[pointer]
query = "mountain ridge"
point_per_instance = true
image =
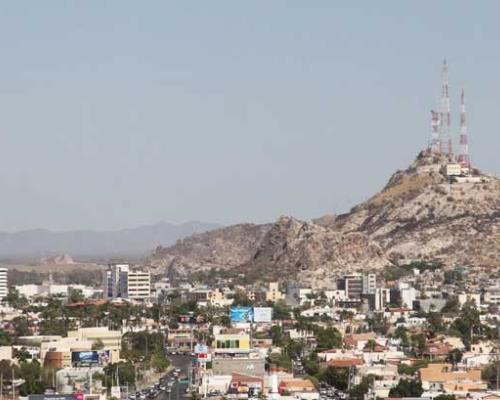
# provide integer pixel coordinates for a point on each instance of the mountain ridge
(133, 242)
(420, 214)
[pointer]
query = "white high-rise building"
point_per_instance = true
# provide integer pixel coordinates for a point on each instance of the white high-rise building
(369, 283)
(123, 281)
(4, 288)
(408, 294)
(135, 284)
(111, 281)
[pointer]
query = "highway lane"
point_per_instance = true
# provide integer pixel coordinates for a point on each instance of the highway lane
(178, 390)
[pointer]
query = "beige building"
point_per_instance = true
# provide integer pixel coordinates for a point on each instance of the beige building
(441, 377)
(57, 353)
(273, 292)
(112, 340)
(6, 353)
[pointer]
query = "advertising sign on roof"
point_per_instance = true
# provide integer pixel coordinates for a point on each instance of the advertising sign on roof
(241, 314)
(262, 314)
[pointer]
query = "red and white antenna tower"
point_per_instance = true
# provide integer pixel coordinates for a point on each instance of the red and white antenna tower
(463, 157)
(444, 115)
(434, 145)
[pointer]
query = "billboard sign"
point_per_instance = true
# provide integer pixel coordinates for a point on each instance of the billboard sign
(262, 314)
(241, 314)
(84, 357)
(200, 348)
(116, 392)
(187, 319)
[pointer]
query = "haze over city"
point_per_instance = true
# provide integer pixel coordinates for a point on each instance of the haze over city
(114, 115)
(265, 200)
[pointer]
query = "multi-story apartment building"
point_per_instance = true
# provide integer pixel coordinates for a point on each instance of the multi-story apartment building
(369, 283)
(492, 295)
(135, 284)
(4, 289)
(352, 285)
(122, 281)
(111, 280)
(273, 292)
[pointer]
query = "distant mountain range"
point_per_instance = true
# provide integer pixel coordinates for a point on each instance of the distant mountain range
(137, 242)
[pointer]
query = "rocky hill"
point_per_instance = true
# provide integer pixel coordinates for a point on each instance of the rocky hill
(418, 215)
(219, 248)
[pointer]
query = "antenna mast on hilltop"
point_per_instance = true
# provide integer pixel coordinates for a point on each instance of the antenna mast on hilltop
(434, 146)
(445, 144)
(463, 157)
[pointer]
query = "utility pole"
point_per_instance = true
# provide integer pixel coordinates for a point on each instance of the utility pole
(90, 381)
(498, 357)
(498, 374)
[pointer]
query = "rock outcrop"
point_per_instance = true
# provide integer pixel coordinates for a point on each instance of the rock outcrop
(419, 215)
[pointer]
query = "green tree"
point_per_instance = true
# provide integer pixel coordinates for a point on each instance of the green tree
(454, 357)
(5, 338)
(311, 365)
(489, 374)
(467, 322)
(278, 336)
(401, 333)
(159, 362)
(407, 388)
(451, 277)
(451, 306)
(435, 322)
(31, 372)
(126, 373)
(15, 299)
(280, 360)
(22, 354)
(445, 397)
(327, 338)
(359, 391)
(295, 348)
(240, 298)
(281, 311)
(21, 326)
(405, 369)
(337, 377)
(418, 342)
(76, 296)
(371, 344)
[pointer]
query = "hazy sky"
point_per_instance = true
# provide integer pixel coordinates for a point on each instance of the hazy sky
(120, 113)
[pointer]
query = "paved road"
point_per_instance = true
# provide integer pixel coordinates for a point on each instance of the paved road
(178, 391)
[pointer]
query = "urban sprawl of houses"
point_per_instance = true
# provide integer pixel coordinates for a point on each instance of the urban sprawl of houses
(416, 331)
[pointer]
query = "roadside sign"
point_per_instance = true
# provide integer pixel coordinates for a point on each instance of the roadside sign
(201, 348)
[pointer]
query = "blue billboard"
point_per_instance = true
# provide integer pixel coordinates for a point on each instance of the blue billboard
(241, 314)
(84, 357)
